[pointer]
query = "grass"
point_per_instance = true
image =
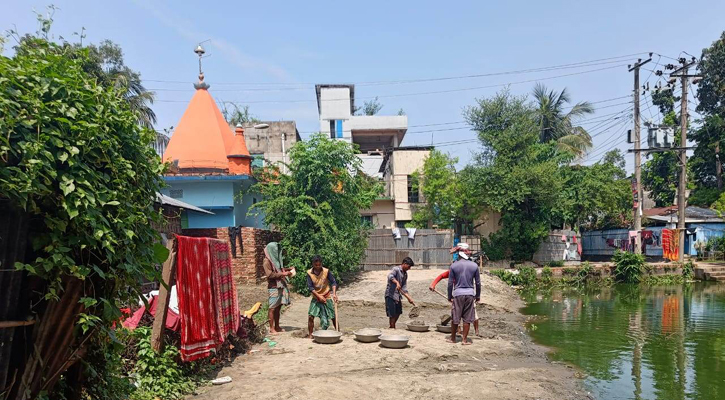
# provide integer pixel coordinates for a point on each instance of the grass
(260, 318)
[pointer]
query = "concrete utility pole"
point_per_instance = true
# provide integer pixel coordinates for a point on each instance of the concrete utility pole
(681, 198)
(637, 158)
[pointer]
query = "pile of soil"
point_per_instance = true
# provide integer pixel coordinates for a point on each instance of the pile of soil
(417, 322)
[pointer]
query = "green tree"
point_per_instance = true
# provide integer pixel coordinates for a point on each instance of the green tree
(596, 196)
(316, 206)
(371, 107)
(74, 158)
(660, 173)
(711, 91)
(515, 173)
(449, 198)
(235, 114)
(557, 125)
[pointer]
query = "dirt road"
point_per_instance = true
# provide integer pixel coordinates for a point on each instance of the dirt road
(504, 364)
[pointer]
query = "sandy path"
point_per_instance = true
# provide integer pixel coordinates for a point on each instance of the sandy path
(502, 365)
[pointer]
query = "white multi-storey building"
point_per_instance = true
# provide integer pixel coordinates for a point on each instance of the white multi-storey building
(378, 139)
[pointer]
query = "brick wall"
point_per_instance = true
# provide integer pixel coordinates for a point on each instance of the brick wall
(247, 265)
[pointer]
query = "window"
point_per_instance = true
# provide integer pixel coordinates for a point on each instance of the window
(367, 219)
(335, 128)
(400, 224)
(413, 196)
(257, 160)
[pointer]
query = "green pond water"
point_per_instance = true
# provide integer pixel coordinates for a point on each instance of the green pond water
(632, 342)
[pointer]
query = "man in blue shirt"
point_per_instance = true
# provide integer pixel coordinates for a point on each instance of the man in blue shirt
(397, 287)
(464, 291)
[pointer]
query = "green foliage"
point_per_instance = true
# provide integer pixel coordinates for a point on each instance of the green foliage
(704, 197)
(525, 276)
(711, 90)
(555, 263)
(371, 107)
(688, 270)
(660, 173)
(546, 275)
(597, 196)
(235, 114)
(514, 174)
(449, 201)
(158, 375)
(317, 205)
(558, 126)
(628, 267)
(73, 156)
(104, 367)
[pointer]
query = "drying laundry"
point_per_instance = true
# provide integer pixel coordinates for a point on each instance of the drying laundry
(199, 332)
(396, 233)
(411, 233)
(225, 291)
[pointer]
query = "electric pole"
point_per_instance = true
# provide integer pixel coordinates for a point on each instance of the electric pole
(637, 158)
(681, 198)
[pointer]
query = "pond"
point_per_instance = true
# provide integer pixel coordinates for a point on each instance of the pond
(637, 342)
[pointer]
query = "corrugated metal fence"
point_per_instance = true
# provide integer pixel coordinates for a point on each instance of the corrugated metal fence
(428, 248)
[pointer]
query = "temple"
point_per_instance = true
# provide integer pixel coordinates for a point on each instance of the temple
(210, 166)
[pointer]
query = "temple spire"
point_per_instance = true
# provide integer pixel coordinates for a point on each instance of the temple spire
(201, 84)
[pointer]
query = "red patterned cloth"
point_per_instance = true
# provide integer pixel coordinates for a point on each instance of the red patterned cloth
(667, 244)
(199, 332)
(225, 291)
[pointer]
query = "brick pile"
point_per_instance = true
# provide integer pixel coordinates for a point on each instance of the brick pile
(247, 265)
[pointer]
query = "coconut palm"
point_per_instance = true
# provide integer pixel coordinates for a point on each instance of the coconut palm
(558, 125)
(106, 63)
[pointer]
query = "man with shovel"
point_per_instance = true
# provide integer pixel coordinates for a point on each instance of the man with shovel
(323, 286)
(444, 275)
(397, 287)
(462, 293)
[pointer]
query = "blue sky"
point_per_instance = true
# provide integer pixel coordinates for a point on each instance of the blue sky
(270, 54)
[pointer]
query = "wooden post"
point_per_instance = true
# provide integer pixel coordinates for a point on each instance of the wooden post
(162, 302)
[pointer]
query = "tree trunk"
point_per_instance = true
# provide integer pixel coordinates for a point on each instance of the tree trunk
(718, 166)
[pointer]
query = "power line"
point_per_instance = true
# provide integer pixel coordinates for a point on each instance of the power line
(600, 61)
(417, 93)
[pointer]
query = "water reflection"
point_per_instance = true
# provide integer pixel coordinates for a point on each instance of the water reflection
(638, 342)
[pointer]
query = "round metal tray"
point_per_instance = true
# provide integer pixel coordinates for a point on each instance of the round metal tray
(327, 337)
(368, 335)
(394, 341)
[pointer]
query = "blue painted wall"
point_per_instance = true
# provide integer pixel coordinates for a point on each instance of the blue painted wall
(242, 207)
(219, 197)
(704, 232)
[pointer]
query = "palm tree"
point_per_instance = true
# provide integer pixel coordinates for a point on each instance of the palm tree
(106, 63)
(557, 125)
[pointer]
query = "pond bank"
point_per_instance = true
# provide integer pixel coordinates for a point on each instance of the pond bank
(503, 364)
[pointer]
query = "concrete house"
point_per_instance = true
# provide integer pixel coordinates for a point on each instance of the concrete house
(379, 141)
(211, 166)
(270, 141)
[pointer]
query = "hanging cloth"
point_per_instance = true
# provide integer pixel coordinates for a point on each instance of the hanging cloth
(225, 291)
(199, 333)
(411, 233)
(396, 233)
(666, 243)
(234, 233)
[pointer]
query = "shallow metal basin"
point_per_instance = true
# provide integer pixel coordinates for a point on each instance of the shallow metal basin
(326, 337)
(368, 335)
(394, 341)
(443, 328)
(418, 328)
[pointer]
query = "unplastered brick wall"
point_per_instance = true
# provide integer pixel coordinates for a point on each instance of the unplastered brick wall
(247, 265)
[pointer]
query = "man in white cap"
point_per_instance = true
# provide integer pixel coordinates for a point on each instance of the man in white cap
(464, 291)
(455, 250)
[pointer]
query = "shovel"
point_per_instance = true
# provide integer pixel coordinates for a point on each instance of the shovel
(414, 312)
(337, 319)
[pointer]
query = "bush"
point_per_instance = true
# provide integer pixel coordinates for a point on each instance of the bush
(546, 275)
(316, 206)
(628, 267)
(688, 270)
(556, 263)
(158, 375)
(527, 276)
